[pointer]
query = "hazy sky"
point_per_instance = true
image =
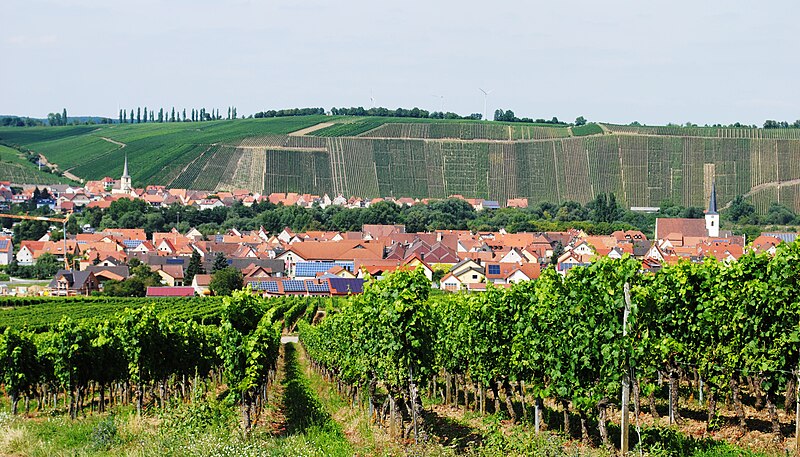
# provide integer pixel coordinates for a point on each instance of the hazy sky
(615, 61)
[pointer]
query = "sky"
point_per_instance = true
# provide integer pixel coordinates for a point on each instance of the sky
(680, 61)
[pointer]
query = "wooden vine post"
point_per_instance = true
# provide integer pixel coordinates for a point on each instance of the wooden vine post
(626, 380)
(413, 395)
(797, 414)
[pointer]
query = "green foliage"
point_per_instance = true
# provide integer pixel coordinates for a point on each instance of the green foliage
(354, 128)
(225, 281)
(30, 230)
(587, 129)
(15, 168)
(604, 208)
(220, 263)
(740, 210)
(388, 329)
(194, 268)
(105, 434)
(142, 277)
(19, 367)
(248, 349)
(156, 151)
(390, 157)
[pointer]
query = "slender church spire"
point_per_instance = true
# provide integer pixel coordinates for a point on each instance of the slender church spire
(125, 170)
(712, 201)
(125, 185)
(712, 216)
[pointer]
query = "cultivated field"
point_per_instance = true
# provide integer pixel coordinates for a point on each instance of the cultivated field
(369, 157)
(14, 168)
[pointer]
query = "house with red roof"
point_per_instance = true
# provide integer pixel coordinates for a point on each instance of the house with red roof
(765, 243)
(168, 291)
(171, 275)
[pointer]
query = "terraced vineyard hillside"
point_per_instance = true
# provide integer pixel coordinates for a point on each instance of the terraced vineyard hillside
(14, 168)
(370, 157)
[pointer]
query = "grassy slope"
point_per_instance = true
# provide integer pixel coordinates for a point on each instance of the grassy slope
(16, 169)
(355, 126)
(561, 164)
(153, 149)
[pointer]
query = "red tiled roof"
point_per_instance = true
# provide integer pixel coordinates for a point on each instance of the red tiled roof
(685, 227)
(170, 291)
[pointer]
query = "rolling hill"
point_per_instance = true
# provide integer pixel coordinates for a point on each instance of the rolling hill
(14, 168)
(370, 157)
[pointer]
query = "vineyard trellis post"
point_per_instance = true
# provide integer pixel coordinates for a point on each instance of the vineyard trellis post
(626, 381)
(797, 414)
(700, 389)
(413, 395)
(671, 411)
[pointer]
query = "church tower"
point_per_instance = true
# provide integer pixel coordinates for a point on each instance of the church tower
(125, 186)
(712, 216)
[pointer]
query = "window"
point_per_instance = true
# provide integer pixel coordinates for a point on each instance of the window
(474, 276)
(494, 269)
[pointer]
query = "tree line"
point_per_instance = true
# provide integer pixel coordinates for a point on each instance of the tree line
(415, 112)
(289, 112)
(16, 121)
(773, 124)
(142, 115)
(600, 216)
(509, 116)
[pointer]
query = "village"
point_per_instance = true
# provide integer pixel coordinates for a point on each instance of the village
(330, 263)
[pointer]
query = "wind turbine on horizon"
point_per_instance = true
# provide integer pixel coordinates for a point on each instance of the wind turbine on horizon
(372, 98)
(485, 96)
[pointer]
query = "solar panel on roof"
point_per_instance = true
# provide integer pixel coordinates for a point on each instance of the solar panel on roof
(293, 285)
(311, 269)
(271, 286)
(347, 285)
(349, 266)
(130, 244)
(318, 288)
(3, 244)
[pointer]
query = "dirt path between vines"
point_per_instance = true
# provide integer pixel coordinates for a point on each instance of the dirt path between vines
(121, 145)
(275, 417)
(313, 128)
(766, 185)
(67, 173)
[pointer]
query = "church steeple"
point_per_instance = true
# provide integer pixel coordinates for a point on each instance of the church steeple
(712, 216)
(125, 169)
(712, 201)
(125, 185)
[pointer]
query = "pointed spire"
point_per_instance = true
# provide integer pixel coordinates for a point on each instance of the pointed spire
(125, 170)
(712, 201)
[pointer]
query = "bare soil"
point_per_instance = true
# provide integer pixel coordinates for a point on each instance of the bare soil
(313, 128)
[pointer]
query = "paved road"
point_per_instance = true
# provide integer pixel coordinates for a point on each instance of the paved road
(289, 339)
